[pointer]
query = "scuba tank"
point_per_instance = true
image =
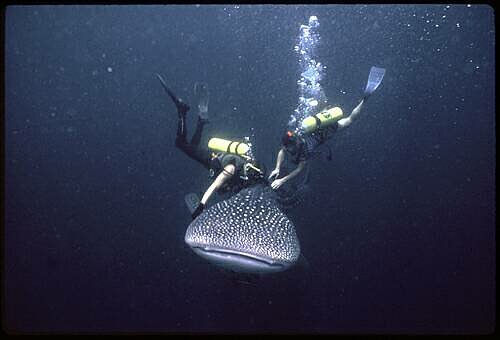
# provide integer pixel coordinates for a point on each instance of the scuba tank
(324, 118)
(224, 145)
(250, 170)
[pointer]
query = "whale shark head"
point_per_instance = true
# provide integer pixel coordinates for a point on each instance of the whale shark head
(246, 233)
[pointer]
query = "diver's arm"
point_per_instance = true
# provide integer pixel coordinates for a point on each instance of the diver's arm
(279, 161)
(279, 182)
(225, 175)
(345, 122)
(280, 158)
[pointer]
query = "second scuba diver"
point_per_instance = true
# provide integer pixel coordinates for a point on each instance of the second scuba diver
(315, 130)
(229, 163)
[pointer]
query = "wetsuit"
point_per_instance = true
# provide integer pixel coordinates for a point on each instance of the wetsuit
(193, 149)
(201, 154)
(205, 157)
(306, 147)
(235, 183)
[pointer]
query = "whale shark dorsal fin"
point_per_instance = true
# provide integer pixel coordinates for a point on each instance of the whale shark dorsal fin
(192, 201)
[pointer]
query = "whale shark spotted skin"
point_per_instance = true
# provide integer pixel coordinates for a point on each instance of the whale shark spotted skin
(246, 233)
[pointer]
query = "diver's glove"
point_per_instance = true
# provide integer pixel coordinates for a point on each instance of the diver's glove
(198, 211)
(274, 173)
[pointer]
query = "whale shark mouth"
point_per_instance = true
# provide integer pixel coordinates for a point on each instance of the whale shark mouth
(239, 261)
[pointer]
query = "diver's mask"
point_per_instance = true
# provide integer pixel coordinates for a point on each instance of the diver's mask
(289, 138)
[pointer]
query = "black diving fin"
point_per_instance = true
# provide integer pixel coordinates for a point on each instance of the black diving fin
(182, 107)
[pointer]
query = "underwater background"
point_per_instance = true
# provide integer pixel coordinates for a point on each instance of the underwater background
(397, 232)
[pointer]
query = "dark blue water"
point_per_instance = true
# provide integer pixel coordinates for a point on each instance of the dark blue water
(398, 232)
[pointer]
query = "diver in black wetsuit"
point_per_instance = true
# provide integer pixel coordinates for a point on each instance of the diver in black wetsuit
(223, 166)
(192, 149)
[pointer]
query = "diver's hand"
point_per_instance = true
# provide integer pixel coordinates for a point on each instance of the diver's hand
(274, 173)
(277, 183)
(198, 211)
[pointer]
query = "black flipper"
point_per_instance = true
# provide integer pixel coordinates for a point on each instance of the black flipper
(182, 107)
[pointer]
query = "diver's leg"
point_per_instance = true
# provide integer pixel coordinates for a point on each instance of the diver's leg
(201, 155)
(193, 151)
(182, 108)
(195, 140)
(345, 122)
(223, 177)
(201, 92)
(181, 137)
(354, 114)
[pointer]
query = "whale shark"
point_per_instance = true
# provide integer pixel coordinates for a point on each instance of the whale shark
(247, 233)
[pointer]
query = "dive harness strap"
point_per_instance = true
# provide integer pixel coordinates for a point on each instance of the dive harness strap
(318, 122)
(226, 172)
(228, 150)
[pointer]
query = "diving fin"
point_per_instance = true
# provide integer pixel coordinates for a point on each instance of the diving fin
(192, 201)
(182, 107)
(374, 79)
(202, 94)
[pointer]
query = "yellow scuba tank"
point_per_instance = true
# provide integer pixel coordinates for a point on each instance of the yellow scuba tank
(224, 145)
(324, 118)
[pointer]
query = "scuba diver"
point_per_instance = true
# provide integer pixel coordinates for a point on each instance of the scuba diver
(315, 130)
(229, 163)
